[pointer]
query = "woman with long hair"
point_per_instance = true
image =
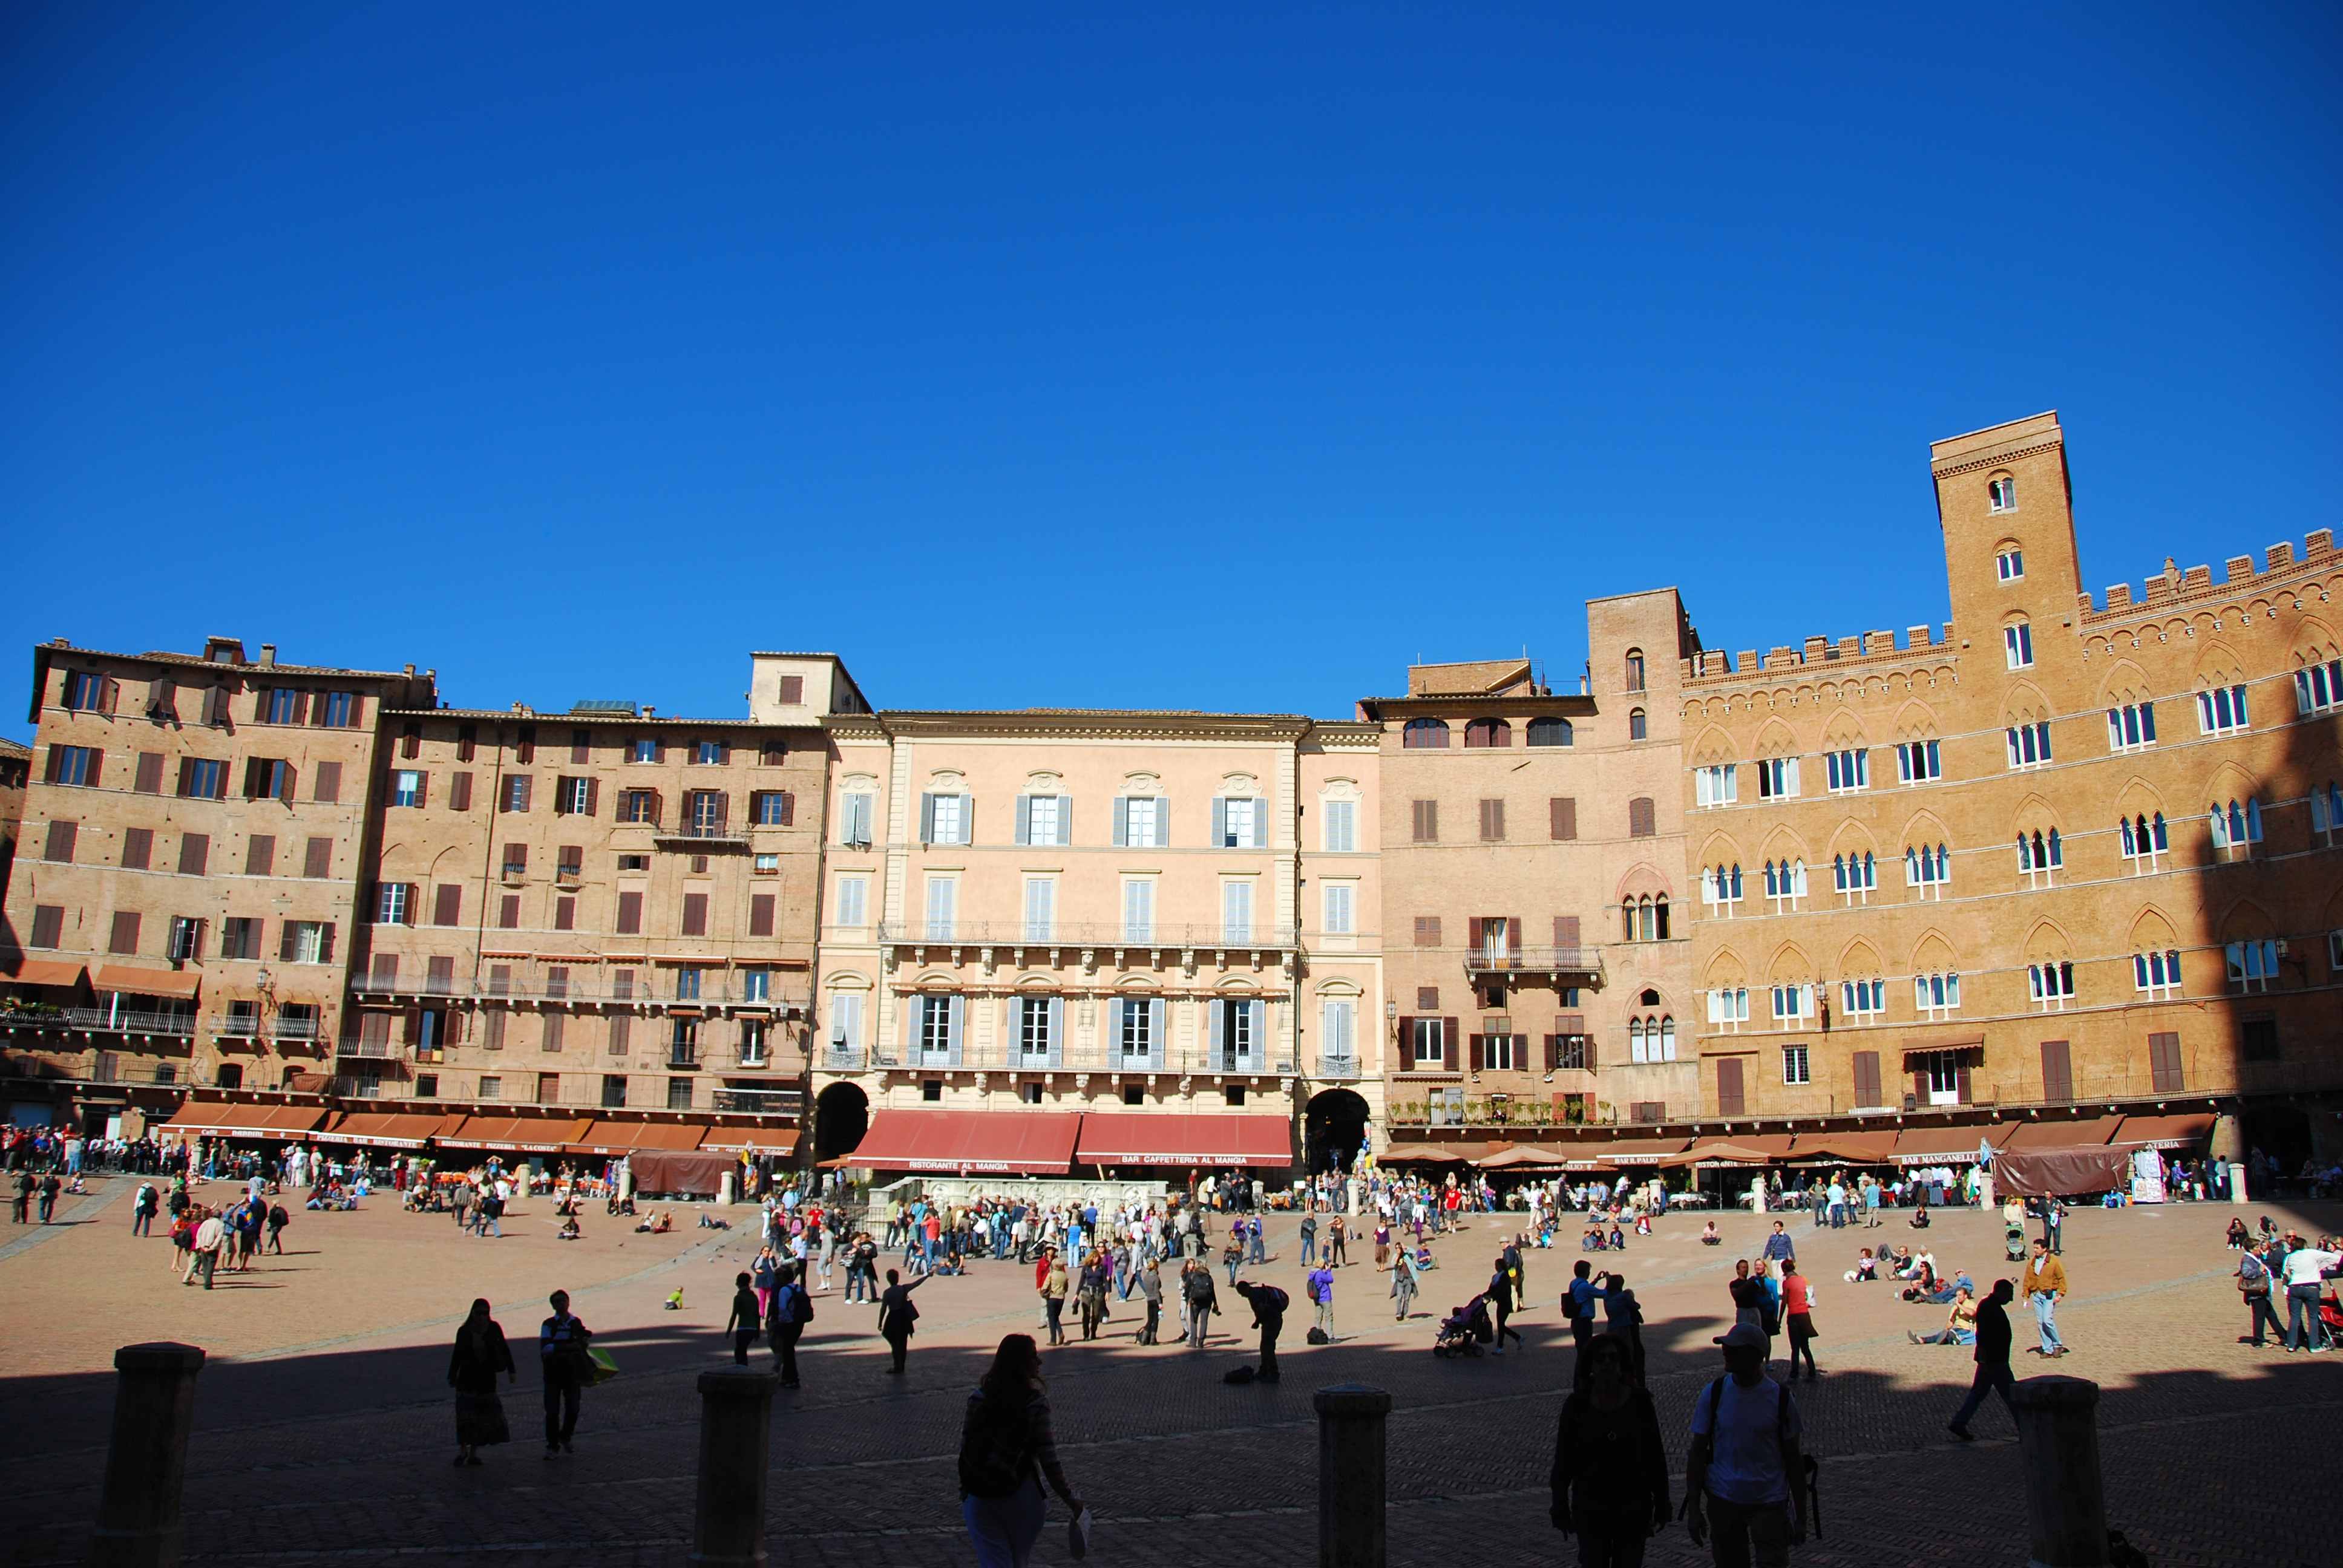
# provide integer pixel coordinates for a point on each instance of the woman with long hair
(1006, 1448)
(479, 1354)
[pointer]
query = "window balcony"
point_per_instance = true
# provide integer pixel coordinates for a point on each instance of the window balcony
(295, 1029)
(352, 1048)
(1338, 1069)
(705, 835)
(1559, 966)
(1215, 936)
(124, 1022)
(682, 1060)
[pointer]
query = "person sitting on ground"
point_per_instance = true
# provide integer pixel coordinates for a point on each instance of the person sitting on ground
(711, 1223)
(2239, 1237)
(1945, 1292)
(1708, 1236)
(1919, 1220)
(1923, 1280)
(1960, 1323)
(1866, 1270)
(1618, 1239)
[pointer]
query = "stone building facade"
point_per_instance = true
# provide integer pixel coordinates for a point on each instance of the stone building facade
(2068, 850)
(1054, 911)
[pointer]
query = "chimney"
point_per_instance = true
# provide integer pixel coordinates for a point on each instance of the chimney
(267, 656)
(649, 711)
(410, 672)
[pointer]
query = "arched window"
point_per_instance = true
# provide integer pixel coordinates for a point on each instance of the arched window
(2002, 493)
(1551, 732)
(1650, 999)
(1634, 670)
(1638, 726)
(1492, 733)
(1426, 733)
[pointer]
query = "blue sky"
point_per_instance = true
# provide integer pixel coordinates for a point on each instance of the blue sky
(1161, 357)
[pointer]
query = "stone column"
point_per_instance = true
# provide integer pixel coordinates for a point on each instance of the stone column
(736, 1431)
(2058, 1441)
(1351, 1418)
(2238, 1182)
(146, 1462)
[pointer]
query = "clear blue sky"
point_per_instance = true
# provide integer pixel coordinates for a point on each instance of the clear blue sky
(1160, 356)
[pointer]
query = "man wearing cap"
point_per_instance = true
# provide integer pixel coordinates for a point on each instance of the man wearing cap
(1745, 1460)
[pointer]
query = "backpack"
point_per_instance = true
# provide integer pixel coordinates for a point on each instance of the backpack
(798, 1310)
(996, 1453)
(1278, 1300)
(1316, 1336)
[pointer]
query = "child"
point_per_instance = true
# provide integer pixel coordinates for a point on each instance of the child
(1708, 1236)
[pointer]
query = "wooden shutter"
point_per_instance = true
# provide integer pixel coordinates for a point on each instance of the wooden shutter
(286, 944)
(1024, 819)
(1514, 938)
(630, 913)
(460, 792)
(1729, 1100)
(1566, 932)
(48, 925)
(1961, 1079)
(137, 849)
(2164, 1063)
(508, 912)
(149, 779)
(195, 851)
(1562, 815)
(1552, 1052)
(695, 914)
(1427, 931)
(259, 854)
(1448, 1043)
(1920, 1086)
(593, 797)
(328, 787)
(447, 904)
(62, 838)
(1640, 817)
(1406, 1042)
(788, 809)
(1473, 935)
(761, 914)
(318, 859)
(1427, 822)
(1477, 1045)
(565, 914)
(1867, 1078)
(792, 690)
(125, 937)
(2058, 1070)
(621, 1028)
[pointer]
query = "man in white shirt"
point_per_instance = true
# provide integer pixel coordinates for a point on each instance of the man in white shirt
(1746, 1464)
(2303, 1271)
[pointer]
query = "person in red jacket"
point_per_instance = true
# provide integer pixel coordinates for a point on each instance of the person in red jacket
(1798, 1317)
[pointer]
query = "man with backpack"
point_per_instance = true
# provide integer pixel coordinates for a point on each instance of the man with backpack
(1320, 1288)
(791, 1310)
(1203, 1300)
(1269, 1303)
(1746, 1461)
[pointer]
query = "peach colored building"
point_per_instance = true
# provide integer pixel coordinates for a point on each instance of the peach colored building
(1053, 912)
(2066, 854)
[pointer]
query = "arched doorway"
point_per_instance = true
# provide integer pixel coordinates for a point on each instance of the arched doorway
(841, 1115)
(1333, 1129)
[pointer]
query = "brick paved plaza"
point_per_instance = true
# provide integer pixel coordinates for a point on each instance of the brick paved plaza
(324, 1429)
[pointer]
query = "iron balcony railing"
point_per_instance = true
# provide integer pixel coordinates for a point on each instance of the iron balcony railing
(1338, 1069)
(124, 1021)
(1533, 961)
(654, 986)
(1218, 934)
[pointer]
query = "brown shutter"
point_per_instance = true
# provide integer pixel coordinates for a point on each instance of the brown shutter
(195, 851)
(789, 810)
(593, 794)
(259, 854)
(1867, 1078)
(2164, 1063)
(358, 709)
(695, 914)
(48, 925)
(1473, 935)
(1729, 1100)
(1514, 938)
(62, 838)
(508, 912)
(1920, 1086)
(125, 937)
(439, 976)
(565, 914)
(630, 913)
(1476, 1045)
(1448, 1043)
(137, 849)
(2058, 1070)
(1640, 817)
(286, 947)
(760, 915)
(792, 690)
(328, 785)
(1427, 931)
(1565, 931)
(621, 1026)
(1552, 1052)
(317, 860)
(447, 904)
(149, 778)
(1562, 814)
(452, 1031)
(1961, 1079)
(1406, 1041)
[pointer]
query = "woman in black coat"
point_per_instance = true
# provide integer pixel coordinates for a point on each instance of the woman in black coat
(479, 1354)
(1610, 1481)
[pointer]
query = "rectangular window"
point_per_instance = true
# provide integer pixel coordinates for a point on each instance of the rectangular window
(932, 1024)
(2058, 1070)
(460, 792)
(2258, 1041)
(185, 939)
(516, 793)
(2221, 710)
(772, 808)
(84, 691)
(239, 938)
(945, 819)
(1135, 1029)
(854, 813)
(1338, 897)
(573, 797)
(941, 893)
(2164, 1063)
(79, 766)
(1143, 822)
(394, 902)
(1427, 822)
(1236, 911)
(202, 778)
(2131, 726)
(1793, 1002)
(853, 901)
(1918, 761)
(1427, 931)
(1045, 820)
(259, 854)
(326, 783)
(1493, 822)
(1862, 1001)
(687, 983)
(525, 745)
(643, 748)
(1777, 778)
(195, 853)
(2029, 745)
(1562, 818)
(492, 1087)
(125, 937)
(2252, 965)
(2318, 687)
(710, 754)
(638, 806)
(2017, 645)
(282, 707)
(1338, 1033)
(1849, 772)
(752, 1042)
(630, 914)
(761, 914)
(407, 786)
(1729, 1006)
(63, 836)
(1716, 785)
(695, 914)
(1138, 911)
(1041, 907)
(1936, 994)
(1730, 1100)
(48, 925)
(148, 777)
(1240, 823)
(614, 1085)
(1342, 827)
(1429, 1043)
(318, 859)
(137, 849)
(1796, 1067)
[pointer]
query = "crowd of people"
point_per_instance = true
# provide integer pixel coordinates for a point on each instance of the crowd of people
(2274, 1263)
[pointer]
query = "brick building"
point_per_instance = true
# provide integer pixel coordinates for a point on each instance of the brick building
(1534, 886)
(1160, 923)
(2067, 853)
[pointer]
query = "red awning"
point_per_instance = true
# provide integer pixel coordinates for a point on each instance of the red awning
(2064, 1132)
(1750, 1149)
(133, 982)
(1851, 1148)
(612, 1138)
(387, 1129)
(40, 971)
(525, 1134)
(229, 1118)
(992, 1142)
(1176, 1138)
(2165, 1131)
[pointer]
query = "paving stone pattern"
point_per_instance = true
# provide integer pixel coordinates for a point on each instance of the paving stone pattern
(323, 1432)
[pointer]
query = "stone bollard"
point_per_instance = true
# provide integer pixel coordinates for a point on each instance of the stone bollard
(736, 1440)
(2238, 1184)
(1350, 1417)
(146, 1462)
(2058, 1441)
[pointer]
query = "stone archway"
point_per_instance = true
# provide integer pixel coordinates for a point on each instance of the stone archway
(1333, 1129)
(841, 1115)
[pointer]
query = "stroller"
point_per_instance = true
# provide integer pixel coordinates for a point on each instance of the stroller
(2013, 1243)
(1464, 1330)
